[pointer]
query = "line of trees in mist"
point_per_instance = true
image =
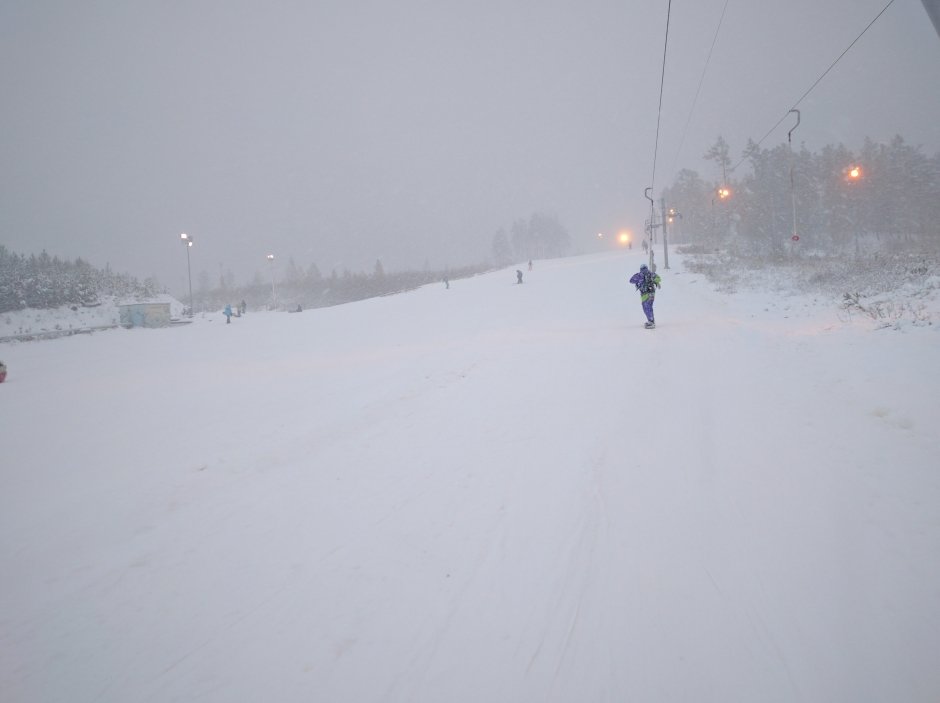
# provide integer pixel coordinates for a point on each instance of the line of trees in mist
(542, 236)
(309, 288)
(44, 281)
(846, 202)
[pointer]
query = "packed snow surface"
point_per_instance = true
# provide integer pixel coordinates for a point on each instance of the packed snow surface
(495, 492)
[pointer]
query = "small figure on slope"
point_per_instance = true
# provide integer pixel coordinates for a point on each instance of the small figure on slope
(228, 314)
(647, 282)
(518, 276)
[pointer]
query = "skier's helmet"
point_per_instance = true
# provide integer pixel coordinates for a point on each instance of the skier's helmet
(643, 267)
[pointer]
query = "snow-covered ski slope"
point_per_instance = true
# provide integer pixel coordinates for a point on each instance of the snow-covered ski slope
(492, 493)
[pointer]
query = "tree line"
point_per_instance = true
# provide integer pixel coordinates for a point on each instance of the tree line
(44, 281)
(308, 288)
(542, 236)
(830, 202)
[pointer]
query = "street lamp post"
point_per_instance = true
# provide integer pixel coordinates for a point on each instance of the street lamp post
(723, 193)
(669, 218)
(187, 240)
(853, 174)
(273, 291)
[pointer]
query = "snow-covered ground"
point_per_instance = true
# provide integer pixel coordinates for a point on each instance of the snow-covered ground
(72, 318)
(494, 493)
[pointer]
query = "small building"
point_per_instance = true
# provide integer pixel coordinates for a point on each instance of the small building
(145, 314)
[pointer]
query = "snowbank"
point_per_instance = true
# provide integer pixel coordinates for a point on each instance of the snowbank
(73, 318)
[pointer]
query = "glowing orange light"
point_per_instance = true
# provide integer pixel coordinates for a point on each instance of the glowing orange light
(624, 237)
(724, 192)
(855, 172)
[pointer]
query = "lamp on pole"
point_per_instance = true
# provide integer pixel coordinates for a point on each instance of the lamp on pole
(854, 174)
(273, 291)
(669, 218)
(651, 226)
(187, 241)
(723, 193)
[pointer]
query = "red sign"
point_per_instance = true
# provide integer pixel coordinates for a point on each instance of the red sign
(795, 237)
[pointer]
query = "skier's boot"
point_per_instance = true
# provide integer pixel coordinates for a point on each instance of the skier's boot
(650, 325)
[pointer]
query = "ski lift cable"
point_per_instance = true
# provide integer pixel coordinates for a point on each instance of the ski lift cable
(662, 82)
(818, 80)
(699, 90)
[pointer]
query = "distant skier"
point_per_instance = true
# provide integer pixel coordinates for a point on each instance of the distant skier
(3, 372)
(242, 308)
(647, 282)
(446, 282)
(228, 314)
(518, 276)
(530, 264)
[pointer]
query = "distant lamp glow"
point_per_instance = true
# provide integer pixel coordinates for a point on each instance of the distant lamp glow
(724, 192)
(854, 173)
(624, 237)
(600, 235)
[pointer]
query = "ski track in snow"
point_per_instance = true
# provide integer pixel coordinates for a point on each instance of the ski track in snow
(492, 492)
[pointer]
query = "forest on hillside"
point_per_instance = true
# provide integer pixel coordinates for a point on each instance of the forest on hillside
(831, 202)
(43, 281)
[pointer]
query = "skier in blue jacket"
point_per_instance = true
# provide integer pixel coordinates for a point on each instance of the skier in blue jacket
(647, 282)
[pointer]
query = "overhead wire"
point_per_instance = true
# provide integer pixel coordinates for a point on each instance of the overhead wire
(699, 89)
(662, 83)
(818, 80)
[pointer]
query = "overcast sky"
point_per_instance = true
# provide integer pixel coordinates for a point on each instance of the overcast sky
(342, 131)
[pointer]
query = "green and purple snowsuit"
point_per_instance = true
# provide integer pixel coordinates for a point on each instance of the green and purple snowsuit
(646, 282)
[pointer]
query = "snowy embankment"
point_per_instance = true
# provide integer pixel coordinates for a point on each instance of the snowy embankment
(71, 319)
(494, 493)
